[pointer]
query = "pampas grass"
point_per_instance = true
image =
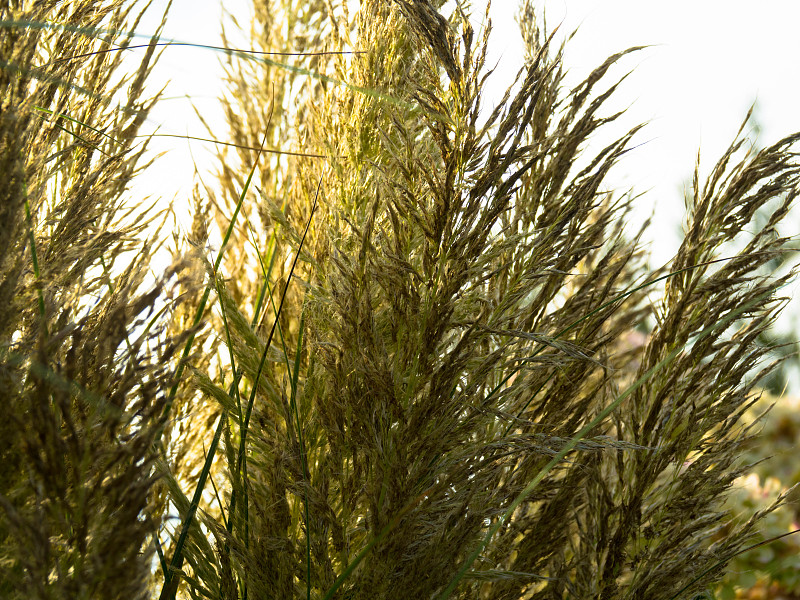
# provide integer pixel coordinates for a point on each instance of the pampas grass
(408, 370)
(85, 360)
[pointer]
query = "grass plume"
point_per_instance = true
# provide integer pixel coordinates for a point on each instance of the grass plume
(412, 369)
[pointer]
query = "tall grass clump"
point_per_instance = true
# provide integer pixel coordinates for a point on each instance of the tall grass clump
(408, 360)
(85, 365)
(442, 396)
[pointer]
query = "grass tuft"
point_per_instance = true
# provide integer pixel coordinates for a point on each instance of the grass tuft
(429, 359)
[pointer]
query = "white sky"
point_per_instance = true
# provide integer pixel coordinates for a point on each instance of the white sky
(709, 60)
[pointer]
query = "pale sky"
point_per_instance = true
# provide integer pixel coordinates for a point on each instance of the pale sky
(709, 60)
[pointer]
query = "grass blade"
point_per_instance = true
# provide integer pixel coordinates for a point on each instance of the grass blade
(170, 581)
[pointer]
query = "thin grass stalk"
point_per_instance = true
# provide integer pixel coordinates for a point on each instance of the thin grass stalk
(251, 400)
(248, 54)
(241, 468)
(241, 457)
(170, 586)
(294, 374)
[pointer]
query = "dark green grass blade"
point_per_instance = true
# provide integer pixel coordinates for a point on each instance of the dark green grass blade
(66, 117)
(228, 339)
(216, 494)
(275, 325)
(235, 388)
(202, 306)
(170, 577)
(170, 581)
(77, 122)
(265, 287)
(251, 400)
(241, 466)
(160, 551)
